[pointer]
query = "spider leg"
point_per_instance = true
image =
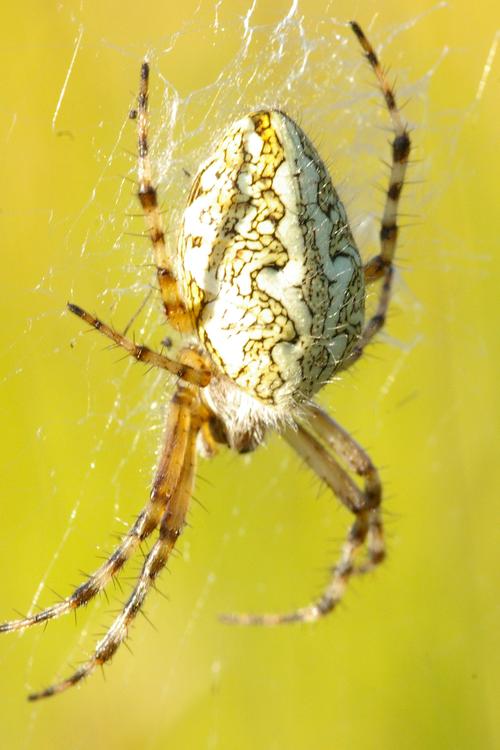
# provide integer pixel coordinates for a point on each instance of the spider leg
(175, 309)
(357, 460)
(377, 266)
(196, 374)
(167, 476)
(375, 323)
(364, 504)
(176, 496)
(381, 266)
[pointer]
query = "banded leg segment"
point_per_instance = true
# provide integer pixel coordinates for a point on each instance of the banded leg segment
(167, 476)
(364, 504)
(377, 266)
(375, 323)
(179, 456)
(358, 461)
(175, 309)
(196, 374)
(381, 266)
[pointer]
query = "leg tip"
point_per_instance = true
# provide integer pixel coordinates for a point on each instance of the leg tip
(356, 28)
(47, 693)
(75, 309)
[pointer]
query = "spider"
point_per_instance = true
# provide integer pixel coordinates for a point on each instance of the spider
(267, 289)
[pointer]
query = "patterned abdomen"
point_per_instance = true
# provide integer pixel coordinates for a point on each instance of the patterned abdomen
(267, 263)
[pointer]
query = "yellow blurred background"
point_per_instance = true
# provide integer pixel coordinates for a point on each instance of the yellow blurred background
(411, 659)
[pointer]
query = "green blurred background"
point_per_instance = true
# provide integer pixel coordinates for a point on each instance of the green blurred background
(411, 658)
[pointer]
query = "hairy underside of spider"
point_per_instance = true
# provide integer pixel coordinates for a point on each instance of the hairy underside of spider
(267, 289)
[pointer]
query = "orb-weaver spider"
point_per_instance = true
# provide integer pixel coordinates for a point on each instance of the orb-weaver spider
(268, 289)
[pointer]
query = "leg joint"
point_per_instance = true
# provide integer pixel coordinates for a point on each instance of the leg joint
(147, 197)
(388, 232)
(401, 147)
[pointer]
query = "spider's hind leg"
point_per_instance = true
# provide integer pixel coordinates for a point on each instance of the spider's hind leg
(376, 267)
(381, 266)
(175, 309)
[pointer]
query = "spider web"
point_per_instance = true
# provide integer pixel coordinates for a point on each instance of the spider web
(288, 63)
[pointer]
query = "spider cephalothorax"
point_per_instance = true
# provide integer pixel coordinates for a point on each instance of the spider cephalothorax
(268, 288)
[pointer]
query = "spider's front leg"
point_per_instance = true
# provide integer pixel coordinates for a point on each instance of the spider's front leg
(363, 503)
(171, 493)
(358, 461)
(167, 476)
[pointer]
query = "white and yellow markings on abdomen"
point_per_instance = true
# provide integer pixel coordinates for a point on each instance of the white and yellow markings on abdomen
(267, 263)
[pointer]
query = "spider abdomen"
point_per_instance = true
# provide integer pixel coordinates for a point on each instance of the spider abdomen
(267, 263)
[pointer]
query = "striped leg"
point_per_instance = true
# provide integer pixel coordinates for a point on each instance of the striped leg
(173, 483)
(363, 504)
(175, 310)
(358, 461)
(167, 476)
(192, 371)
(381, 266)
(375, 268)
(376, 322)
